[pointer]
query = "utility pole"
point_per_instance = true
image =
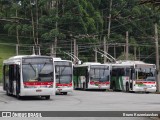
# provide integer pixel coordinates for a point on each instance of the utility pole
(52, 49)
(109, 22)
(127, 45)
(71, 48)
(104, 47)
(37, 22)
(33, 50)
(75, 49)
(135, 49)
(95, 54)
(124, 47)
(139, 53)
(39, 50)
(114, 50)
(157, 58)
(56, 24)
(17, 45)
(109, 30)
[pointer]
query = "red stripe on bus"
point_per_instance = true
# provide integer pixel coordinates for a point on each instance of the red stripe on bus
(145, 82)
(37, 83)
(60, 84)
(92, 82)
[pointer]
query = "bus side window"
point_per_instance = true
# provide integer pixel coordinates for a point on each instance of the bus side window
(6, 76)
(122, 73)
(114, 72)
(127, 71)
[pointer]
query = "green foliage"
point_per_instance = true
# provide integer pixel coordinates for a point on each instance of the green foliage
(123, 57)
(87, 18)
(5, 52)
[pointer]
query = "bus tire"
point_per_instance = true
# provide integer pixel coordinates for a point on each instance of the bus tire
(47, 97)
(18, 96)
(114, 86)
(7, 92)
(64, 93)
(127, 87)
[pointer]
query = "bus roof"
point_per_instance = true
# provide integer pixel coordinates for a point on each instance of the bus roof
(91, 63)
(56, 59)
(18, 58)
(130, 63)
(86, 64)
(59, 59)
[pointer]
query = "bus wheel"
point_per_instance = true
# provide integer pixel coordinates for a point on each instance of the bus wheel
(127, 87)
(47, 97)
(64, 93)
(7, 92)
(17, 95)
(114, 86)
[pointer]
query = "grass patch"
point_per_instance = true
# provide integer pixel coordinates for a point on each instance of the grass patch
(5, 52)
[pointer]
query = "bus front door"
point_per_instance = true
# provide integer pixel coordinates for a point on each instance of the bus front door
(17, 72)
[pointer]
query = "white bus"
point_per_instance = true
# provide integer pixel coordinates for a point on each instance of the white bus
(29, 75)
(134, 76)
(64, 75)
(92, 75)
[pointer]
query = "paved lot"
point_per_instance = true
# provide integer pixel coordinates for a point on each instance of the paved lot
(85, 101)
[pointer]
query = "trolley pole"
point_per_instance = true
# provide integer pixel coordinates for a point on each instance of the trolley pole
(157, 58)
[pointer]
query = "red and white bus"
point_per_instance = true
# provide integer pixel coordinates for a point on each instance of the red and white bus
(134, 76)
(29, 75)
(92, 75)
(63, 75)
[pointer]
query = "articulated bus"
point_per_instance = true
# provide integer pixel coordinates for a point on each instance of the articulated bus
(91, 75)
(64, 75)
(29, 75)
(134, 76)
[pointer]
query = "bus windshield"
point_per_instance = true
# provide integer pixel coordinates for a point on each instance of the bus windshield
(63, 72)
(37, 69)
(146, 74)
(99, 73)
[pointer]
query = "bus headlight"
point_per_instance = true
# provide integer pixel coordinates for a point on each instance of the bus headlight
(25, 86)
(51, 86)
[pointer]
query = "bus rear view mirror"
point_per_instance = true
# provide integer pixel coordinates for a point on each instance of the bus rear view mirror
(79, 62)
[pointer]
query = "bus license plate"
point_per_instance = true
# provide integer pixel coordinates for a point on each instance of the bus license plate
(59, 89)
(145, 88)
(38, 90)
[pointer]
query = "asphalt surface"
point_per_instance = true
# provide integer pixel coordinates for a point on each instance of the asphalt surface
(84, 101)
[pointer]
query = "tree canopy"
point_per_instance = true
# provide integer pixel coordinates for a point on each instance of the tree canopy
(58, 22)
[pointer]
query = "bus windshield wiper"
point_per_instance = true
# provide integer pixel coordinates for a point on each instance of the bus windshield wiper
(64, 67)
(32, 67)
(42, 67)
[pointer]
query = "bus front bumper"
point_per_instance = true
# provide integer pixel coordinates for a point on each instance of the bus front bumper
(62, 89)
(37, 92)
(145, 89)
(99, 87)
